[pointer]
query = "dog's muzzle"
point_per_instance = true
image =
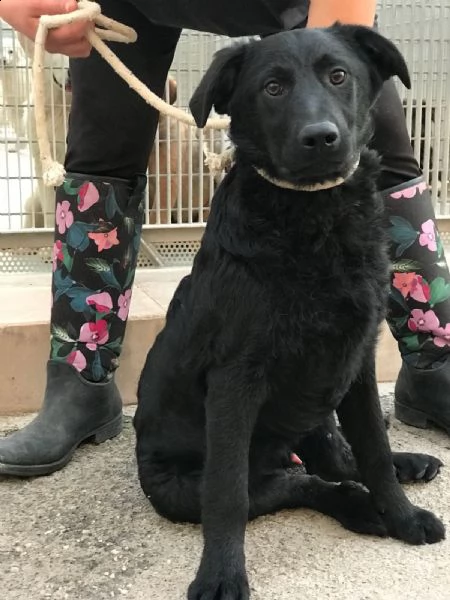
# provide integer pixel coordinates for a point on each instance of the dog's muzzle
(67, 85)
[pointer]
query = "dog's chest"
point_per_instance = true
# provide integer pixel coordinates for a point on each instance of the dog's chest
(334, 291)
(320, 320)
(313, 356)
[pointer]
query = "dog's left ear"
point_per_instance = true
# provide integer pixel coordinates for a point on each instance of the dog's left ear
(217, 85)
(383, 56)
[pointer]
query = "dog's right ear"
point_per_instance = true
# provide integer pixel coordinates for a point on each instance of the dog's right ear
(217, 85)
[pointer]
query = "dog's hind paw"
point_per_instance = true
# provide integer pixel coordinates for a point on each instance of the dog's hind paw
(356, 511)
(217, 585)
(416, 527)
(415, 467)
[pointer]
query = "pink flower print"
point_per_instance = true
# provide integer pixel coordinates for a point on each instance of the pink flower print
(94, 334)
(64, 216)
(428, 235)
(124, 305)
(410, 192)
(105, 240)
(442, 336)
(420, 290)
(102, 303)
(411, 284)
(87, 196)
(423, 321)
(404, 282)
(57, 253)
(77, 360)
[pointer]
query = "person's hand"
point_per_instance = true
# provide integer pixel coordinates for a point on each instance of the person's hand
(23, 15)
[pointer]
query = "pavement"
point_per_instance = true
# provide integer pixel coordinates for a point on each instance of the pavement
(88, 533)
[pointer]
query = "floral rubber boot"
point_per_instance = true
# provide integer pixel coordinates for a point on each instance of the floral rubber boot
(419, 307)
(97, 236)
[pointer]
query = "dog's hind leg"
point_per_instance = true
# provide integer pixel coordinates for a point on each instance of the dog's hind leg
(326, 453)
(174, 494)
(348, 502)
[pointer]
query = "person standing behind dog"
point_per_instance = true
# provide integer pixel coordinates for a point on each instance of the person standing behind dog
(99, 212)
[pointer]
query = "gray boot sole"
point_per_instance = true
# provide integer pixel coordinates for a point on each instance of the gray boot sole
(417, 418)
(98, 436)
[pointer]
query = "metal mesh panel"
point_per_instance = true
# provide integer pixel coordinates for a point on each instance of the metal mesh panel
(176, 253)
(25, 260)
(180, 187)
(179, 253)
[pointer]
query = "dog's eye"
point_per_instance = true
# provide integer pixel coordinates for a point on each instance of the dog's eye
(273, 88)
(338, 76)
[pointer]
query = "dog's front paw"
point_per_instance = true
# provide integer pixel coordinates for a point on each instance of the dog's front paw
(219, 585)
(415, 467)
(416, 526)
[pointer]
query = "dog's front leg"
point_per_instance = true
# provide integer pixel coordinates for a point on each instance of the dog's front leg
(231, 410)
(362, 421)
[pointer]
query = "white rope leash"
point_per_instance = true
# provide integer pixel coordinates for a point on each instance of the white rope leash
(113, 31)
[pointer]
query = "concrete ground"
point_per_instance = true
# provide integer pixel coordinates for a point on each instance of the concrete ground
(88, 533)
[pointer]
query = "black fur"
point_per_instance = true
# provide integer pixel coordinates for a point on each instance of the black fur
(276, 326)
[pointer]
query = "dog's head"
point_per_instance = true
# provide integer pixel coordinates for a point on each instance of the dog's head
(300, 101)
(56, 66)
(8, 58)
(57, 71)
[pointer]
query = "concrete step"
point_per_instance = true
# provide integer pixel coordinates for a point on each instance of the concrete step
(24, 336)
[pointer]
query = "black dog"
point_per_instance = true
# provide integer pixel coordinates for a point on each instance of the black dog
(276, 326)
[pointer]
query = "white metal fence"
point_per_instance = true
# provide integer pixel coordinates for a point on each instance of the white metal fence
(421, 28)
(180, 186)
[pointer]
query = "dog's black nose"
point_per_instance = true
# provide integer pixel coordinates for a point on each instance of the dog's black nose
(320, 136)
